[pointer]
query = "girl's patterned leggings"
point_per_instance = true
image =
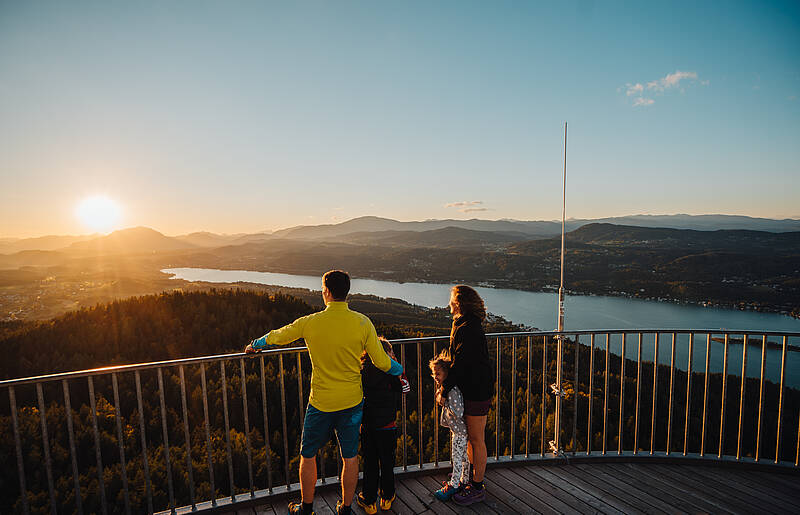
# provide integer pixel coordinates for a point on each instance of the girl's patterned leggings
(458, 457)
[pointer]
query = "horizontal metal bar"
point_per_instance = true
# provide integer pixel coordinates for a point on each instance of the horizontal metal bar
(289, 350)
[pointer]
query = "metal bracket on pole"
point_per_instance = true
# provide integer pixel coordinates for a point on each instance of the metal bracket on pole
(556, 390)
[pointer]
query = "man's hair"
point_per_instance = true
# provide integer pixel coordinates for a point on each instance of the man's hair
(338, 283)
(441, 361)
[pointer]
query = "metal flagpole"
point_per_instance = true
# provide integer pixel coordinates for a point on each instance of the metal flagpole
(555, 444)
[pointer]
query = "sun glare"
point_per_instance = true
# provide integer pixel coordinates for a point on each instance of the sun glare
(98, 213)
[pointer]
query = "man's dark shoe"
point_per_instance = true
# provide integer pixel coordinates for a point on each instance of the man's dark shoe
(341, 509)
(470, 495)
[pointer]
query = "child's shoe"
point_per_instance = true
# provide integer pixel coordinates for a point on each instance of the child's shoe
(341, 509)
(369, 509)
(386, 504)
(470, 495)
(446, 492)
(296, 508)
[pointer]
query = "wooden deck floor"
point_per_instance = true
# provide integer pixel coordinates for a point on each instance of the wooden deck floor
(596, 488)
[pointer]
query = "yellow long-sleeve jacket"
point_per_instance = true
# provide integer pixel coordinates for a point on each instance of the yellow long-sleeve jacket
(335, 337)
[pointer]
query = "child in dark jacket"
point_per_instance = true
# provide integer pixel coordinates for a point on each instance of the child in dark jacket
(378, 432)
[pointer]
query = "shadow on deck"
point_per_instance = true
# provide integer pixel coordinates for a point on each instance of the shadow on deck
(592, 488)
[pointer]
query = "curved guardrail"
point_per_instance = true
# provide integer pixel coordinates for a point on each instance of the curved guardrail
(100, 441)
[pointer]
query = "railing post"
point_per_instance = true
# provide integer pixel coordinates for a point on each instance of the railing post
(167, 457)
(705, 397)
(638, 393)
(721, 447)
(121, 443)
(46, 447)
(780, 403)
(591, 396)
(143, 428)
(209, 449)
(741, 398)
(655, 396)
(558, 393)
(187, 436)
(73, 454)
(671, 391)
(23, 490)
(621, 396)
(761, 395)
(605, 395)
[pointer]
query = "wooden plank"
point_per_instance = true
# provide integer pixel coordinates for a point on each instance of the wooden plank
(698, 489)
(553, 496)
(410, 498)
(790, 481)
(424, 495)
(266, 509)
(514, 495)
(553, 475)
(785, 494)
(580, 480)
(329, 497)
(722, 487)
(774, 480)
(746, 485)
(548, 496)
(684, 495)
(610, 484)
(650, 492)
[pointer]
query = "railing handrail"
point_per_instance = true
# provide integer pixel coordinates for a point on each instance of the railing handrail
(289, 350)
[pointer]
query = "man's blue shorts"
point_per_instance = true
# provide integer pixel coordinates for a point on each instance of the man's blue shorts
(318, 426)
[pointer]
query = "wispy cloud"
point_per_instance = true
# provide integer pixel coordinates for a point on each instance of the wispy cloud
(464, 203)
(676, 80)
(671, 80)
(468, 206)
(634, 89)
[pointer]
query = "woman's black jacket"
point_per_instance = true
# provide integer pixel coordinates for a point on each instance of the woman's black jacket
(381, 396)
(470, 368)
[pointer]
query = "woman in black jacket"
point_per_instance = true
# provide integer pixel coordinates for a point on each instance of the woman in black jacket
(471, 371)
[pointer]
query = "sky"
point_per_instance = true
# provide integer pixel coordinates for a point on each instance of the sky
(254, 115)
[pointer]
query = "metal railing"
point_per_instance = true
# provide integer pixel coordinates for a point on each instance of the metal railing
(171, 452)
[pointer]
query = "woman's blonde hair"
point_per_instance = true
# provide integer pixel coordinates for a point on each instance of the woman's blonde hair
(468, 301)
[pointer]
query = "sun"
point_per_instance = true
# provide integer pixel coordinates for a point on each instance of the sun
(99, 213)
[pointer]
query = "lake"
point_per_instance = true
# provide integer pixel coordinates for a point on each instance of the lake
(601, 313)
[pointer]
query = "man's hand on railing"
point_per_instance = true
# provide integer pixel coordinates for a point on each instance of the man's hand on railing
(249, 349)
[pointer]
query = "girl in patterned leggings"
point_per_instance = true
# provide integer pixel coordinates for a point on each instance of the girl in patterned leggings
(452, 417)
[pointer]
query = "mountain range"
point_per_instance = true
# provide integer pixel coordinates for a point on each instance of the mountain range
(376, 230)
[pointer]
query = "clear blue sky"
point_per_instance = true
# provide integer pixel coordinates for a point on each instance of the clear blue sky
(245, 116)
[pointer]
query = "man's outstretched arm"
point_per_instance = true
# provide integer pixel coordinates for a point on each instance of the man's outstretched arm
(283, 336)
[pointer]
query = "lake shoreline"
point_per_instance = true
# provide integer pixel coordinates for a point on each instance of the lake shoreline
(512, 285)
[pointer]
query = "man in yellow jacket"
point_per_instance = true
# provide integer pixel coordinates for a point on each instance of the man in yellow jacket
(336, 338)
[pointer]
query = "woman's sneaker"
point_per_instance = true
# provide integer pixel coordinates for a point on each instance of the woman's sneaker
(386, 504)
(369, 508)
(470, 495)
(446, 492)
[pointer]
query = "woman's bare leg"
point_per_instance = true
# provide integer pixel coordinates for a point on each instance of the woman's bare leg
(476, 449)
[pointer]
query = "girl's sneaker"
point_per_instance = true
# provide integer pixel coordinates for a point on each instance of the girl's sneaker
(446, 492)
(469, 495)
(386, 504)
(369, 508)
